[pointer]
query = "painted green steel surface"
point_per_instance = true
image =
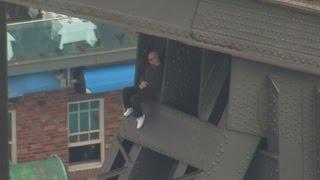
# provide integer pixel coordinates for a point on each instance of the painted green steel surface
(49, 169)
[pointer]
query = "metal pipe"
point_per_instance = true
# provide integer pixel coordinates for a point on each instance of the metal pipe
(4, 146)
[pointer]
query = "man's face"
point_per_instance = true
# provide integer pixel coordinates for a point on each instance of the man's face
(152, 59)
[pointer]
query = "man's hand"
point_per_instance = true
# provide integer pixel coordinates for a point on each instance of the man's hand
(143, 84)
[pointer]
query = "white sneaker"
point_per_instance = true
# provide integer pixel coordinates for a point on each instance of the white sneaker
(128, 112)
(140, 121)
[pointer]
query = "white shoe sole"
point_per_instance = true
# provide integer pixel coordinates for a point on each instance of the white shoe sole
(140, 121)
(128, 112)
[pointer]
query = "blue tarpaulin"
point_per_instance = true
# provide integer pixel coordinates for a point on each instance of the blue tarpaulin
(109, 78)
(29, 83)
(96, 80)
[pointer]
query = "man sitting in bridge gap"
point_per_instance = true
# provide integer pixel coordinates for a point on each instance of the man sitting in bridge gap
(147, 90)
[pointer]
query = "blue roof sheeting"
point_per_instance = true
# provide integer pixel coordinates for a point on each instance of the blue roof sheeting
(109, 78)
(30, 83)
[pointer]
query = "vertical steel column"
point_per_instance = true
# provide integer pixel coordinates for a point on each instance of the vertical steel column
(4, 149)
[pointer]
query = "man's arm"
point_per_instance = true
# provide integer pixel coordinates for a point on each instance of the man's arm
(142, 82)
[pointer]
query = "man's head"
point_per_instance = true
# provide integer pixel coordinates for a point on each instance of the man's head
(153, 58)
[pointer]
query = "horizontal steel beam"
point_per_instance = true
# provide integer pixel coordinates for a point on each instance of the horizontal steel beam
(185, 28)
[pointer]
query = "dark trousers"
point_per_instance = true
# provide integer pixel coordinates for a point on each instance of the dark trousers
(134, 96)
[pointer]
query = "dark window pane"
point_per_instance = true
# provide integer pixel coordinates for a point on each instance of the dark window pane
(84, 121)
(73, 138)
(73, 123)
(84, 137)
(94, 136)
(94, 120)
(83, 154)
(84, 106)
(73, 107)
(94, 105)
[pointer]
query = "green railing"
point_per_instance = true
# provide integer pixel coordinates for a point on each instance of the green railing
(57, 38)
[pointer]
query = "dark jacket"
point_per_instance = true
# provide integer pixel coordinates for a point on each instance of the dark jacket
(153, 75)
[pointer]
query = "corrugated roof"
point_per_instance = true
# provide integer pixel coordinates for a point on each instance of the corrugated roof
(253, 30)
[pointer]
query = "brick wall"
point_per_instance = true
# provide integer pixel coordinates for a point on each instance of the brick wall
(42, 127)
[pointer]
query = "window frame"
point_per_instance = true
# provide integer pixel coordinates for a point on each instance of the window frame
(88, 165)
(13, 142)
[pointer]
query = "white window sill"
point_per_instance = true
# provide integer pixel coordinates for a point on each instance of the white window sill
(84, 166)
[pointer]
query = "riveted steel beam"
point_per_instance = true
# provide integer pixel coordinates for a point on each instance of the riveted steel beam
(122, 150)
(178, 170)
(295, 124)
(125, 171)
(189, 176)
(134, 154)
(265, 166)
(199, 144)
(110, 158)
(113, 173)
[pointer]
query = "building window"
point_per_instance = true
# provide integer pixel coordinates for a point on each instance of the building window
(12, 136)
(86, 134)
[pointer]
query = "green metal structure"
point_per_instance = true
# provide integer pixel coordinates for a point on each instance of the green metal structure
(49, 169)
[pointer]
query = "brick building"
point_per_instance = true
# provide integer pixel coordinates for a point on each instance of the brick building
(41, 128)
